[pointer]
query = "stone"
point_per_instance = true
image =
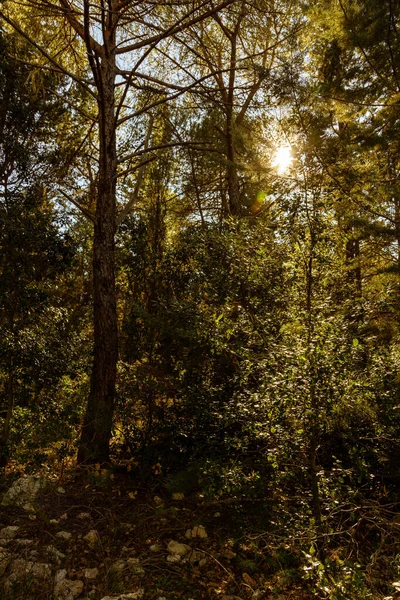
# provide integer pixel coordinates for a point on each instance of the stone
(64, 535)
(84, 515)
(91, 573)
(5, 558)
(9, 533)
(228, 554)
(199, 532)
(25, 491)
(66, 589)
(92, 538)
(23, 543)
(20, 569)
(173, 558)
(178, 549)
(54, 554)
(118, 566)
(134, 565)
(129, 596)
(178, 496)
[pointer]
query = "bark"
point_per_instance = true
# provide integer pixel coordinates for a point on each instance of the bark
(8, 413)
(97, 425)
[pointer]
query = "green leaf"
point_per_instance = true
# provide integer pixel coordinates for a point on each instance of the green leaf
(355, 343)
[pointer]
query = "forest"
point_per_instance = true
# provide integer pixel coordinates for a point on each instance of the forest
(199, 299)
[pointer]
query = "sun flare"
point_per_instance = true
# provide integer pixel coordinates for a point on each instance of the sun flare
(282, 159)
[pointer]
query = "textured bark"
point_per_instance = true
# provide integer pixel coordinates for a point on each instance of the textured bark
(97, 425)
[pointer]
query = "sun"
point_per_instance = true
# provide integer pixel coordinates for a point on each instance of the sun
(282, 159)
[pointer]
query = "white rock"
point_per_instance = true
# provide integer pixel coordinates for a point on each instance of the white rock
(24, 543)
(84, 515)
(54, 553)
(228, 554)
(173, 558)
(5, 558)
(199, 532)
(133, 564)
(129, 596)
(24, 491)
(20, 569)
(9, 533)
(178, 496)
(64, 535)
(66, 589)
(118, 566)
(91, 573)
(197, 557)
(92, 538)
(178, 549)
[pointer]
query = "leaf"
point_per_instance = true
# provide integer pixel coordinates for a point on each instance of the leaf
(249, 580)
(355, 343)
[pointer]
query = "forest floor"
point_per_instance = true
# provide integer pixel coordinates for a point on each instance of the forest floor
(142, 545)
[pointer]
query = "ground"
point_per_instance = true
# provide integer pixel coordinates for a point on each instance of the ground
(132, 552)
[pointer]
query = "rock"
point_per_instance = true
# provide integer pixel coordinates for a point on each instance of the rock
(228, 554)
(9, 533)
(118, 566)
(129, 596)
(92, 538)
(5, 558)
(23, 543)
(197, 558)
(155, 548)
(178, 549)
(178, 496)
(134, 565)
(54, 554)
(64, 535)
(173, 558)
(199, 532)
(21, 569)
(84, 515)
(91, 573)
(66, 589)
(25, 491)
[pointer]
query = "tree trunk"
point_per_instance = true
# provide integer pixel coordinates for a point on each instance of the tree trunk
(97, 425)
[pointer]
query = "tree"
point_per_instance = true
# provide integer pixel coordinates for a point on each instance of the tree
(92, 44)
(243, 52)
(34, 252)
